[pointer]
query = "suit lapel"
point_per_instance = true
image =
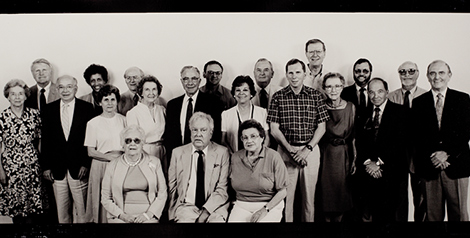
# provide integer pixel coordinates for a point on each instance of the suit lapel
(75, 117)
(118, 180)
(186, 163)
(210, 161)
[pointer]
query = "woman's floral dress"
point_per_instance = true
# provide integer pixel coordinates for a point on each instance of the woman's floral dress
(23, 193)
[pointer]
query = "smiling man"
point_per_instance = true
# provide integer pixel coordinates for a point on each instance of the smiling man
(192, 198)
(297, 117)
(441, 135)
(213, 72)
(315, 51)
(45, 91)
(180, 109)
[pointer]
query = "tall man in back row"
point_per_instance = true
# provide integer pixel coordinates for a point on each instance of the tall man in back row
(297, 116)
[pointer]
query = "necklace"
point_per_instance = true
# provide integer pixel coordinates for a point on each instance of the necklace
(334, 107)
(130, 163)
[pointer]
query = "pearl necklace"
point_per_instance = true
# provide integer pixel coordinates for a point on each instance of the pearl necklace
(132, 164)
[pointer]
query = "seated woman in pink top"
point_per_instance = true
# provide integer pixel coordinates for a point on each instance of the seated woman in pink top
(259, 178)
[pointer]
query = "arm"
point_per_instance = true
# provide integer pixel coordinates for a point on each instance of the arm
(261, 213)
(3, 176)
(92, 152)
(157, 205)
(303, 153)
(220, 196)
(266, 139)
(107, 197)
(279, 137)
(225, 143)
(172, 183)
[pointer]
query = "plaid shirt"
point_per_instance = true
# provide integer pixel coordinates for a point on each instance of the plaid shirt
(298, 116)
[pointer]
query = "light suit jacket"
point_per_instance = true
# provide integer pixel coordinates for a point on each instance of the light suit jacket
(113, 180)
(217, 162)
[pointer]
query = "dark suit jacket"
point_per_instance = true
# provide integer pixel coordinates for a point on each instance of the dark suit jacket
(204, 103)
(350, 94)
(32, 100)
(390, 145)
(60, 155)
(453, 137)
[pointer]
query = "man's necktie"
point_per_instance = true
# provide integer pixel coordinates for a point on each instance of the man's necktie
(200, 190)
(376, 121)
(65, 120)
(263, 98)
(362, 98)
(406, 101)
(42, 99)
(439, 107)
(189, 113)
(135, 99)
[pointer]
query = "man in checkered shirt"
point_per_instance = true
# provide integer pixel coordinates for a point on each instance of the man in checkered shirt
(297, 116)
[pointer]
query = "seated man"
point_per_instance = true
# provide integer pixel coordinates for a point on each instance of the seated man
(198, 176)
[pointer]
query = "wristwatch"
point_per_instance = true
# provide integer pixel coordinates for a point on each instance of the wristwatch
(309, 147)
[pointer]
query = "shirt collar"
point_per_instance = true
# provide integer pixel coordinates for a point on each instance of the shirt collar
(319, 72)
(382, 107)
(412, 91)
(70, 103)
(359, 87)
(48, 86)
(434, 93)
(203, 151)
(290, 90)
(186, 97)
(258, 88)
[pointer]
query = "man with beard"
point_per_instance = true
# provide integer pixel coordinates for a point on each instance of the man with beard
(213, 71)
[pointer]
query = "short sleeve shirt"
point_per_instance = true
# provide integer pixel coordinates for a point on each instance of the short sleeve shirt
(261, 181)
(298, 115)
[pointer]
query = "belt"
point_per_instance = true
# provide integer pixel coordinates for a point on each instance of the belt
(299, 143)
(338, 141)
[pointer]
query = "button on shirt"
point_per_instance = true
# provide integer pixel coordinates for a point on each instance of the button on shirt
(184, 106)
(261, 181)
(191, 192)
(298, 115)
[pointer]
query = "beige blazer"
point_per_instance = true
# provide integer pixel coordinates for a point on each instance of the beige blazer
(113, 180)
(217, 162)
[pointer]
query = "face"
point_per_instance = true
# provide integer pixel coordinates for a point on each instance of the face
(133, 143)
(133, 78)
(251, 139)
(190, 80)
(263, 73)
(242, 93)
(96, 82)
(408, 74)
(16, 96)
(362, 73)
(295, 75)
(67, 88)
(201, 133)
(377, 93)
(213, 74)
(439, 76)
(315, 54)
(333, 88)
(109, 103)
(42, 73)
(149, 92)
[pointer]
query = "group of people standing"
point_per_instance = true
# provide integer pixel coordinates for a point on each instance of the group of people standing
(314, 150)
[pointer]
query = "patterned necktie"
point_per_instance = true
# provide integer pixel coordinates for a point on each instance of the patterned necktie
(200, 190)
(65, 120)
(135, 99)
(263, 98)
(376, 122)
(406, 101)
(42, 100)
(189, 113)
(439, 107)
(362, 98)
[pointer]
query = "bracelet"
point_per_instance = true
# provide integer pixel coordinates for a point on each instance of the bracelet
(266, 207)
(146, 216)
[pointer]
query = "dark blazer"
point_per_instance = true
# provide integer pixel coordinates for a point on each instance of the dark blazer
(453, 137)
(204, 103)
(390, 145)
(60, 155)
(32, 100)
(350, 94)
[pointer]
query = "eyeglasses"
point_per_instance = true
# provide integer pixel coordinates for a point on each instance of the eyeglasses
(129, 140)
(313, 52)
(336, 87)
(403, 72)
(252, 137)
(364, 71)
(186, 79)
(216, 73)
(68, 87)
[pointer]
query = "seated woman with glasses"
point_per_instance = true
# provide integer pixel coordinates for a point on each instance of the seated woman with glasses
(134, 188)
(337, 152)
(259, 178)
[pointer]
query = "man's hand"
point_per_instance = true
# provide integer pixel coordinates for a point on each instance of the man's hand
(126, 218)
(301, 156)
(48, 175)
(140, 218)
(82, 173)
(374, 170)
(258, 215)
(439, 160)
(203, 217)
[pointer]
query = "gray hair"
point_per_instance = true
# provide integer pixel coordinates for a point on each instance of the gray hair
(40, 61)
(189, 67)
(439, 61)
(130, 128)
(201, 115)
(137, 68)
(13, 83)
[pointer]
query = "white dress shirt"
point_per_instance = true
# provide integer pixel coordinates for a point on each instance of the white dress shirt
(191, 192)
(183, 111)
